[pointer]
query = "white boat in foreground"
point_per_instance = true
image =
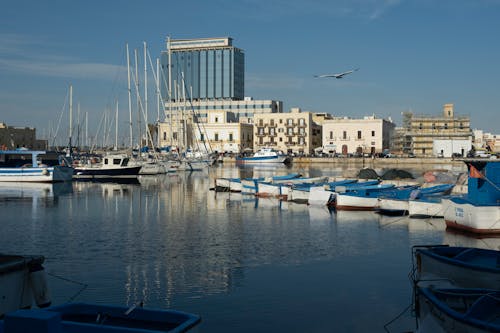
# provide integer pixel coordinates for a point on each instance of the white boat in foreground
(479, 210)
(32, 168)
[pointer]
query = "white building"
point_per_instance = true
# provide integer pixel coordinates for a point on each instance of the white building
(448, 147)
(369, 135)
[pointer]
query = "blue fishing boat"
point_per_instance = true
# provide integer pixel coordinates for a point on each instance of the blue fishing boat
(479, 210)
(265, 156)
(94, 318)
(24, 165)
(397, 202)
(322, 195)
(458, 310)
(360, 198)
(334, 186)
(461, 266)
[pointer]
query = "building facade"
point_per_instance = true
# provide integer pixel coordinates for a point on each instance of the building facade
(423, 130)
(206, 68)
(205, 77)
(18, 137)
(292, 132)
(369, 135)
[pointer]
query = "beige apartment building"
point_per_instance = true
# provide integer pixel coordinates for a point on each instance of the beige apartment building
(294, 132)
(219, 132)
(368, 135)
(423, 130)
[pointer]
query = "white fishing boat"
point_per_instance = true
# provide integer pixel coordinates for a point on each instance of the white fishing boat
(426, 207)
(265, 155)
(398, 203)
(360, 198)
(479, 210)
(24, 165)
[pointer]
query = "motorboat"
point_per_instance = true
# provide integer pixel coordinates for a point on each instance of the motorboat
(113, 166)
(24, 165)
(265, 155)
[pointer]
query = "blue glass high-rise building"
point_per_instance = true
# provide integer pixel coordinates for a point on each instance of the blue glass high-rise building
(207, 69)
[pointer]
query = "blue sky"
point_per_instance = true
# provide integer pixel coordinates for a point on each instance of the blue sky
(413, 54)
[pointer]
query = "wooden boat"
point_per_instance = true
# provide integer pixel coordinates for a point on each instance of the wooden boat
(93, 318)
(458, 310)
(265, 156)
(479, 210)
(461, 266)
(397, 202)
(31, 168)
(360, 198)
(426, 207)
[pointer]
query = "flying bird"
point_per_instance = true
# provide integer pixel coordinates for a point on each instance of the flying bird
(339, 75)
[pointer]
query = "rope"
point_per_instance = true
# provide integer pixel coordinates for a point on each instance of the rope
(397, 317)
(83, 285)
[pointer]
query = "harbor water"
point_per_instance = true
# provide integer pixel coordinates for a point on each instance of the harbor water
(244, 264)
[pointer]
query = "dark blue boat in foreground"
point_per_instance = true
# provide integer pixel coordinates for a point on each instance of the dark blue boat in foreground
(93, 318)
(458, 310)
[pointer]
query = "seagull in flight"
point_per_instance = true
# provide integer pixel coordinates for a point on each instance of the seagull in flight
(339, 75)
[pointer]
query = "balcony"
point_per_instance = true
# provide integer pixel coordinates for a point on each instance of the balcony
(302, 125)
(290, 134)
(260, 134)
(290, 144)
(272, 125)
(302, 134)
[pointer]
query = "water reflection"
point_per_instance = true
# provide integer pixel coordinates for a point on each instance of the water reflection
(172, 242)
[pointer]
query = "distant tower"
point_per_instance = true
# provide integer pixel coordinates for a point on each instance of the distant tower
(448, 110)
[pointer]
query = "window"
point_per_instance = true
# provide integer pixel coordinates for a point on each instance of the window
(272, 122)
(202, 137)
(433, 126)
(359, 134)
(445, 125)
(164, 135)
(289, 121)
(231, 137)
(281, 121)
(373, 133)
(216, 119)
(301, 121)
(344, 135)
(331, 134)
(261, 122)
(420, 126)
(216, 137)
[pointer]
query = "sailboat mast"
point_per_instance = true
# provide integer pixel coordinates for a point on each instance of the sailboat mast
(158, 100)
(137, 97)
(146, 94)
(170, 88)
(129, 99)
(116, 126)
(70, 116)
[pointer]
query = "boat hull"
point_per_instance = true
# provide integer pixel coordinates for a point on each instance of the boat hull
(463, 215)
(425, 209)
(84, 317)
(393, 207)
(318, 196)
(352, 202)
(39, 174)
(479, 270)
(89, 173)
(280, 159)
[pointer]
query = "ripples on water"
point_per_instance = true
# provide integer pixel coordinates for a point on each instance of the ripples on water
(243, 264)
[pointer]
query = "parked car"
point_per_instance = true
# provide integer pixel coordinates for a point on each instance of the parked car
(411, 155)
